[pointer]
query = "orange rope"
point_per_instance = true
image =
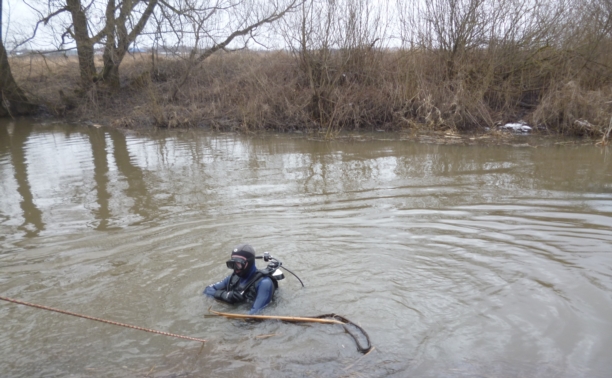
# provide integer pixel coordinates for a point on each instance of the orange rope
(100, 320)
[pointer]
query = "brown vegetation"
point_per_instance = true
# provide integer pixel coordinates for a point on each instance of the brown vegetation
(461, 66)
(360, 89)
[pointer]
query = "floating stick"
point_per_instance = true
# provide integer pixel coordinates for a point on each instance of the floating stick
(336, 319)
(294, 319)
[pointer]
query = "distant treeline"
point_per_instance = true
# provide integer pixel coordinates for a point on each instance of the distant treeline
(320, 65)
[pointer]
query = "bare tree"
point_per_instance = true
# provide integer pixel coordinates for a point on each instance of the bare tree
(119, 36)
(99, 22)
(13, 100)
(213, 25)
(454, 27)
(334, 42)
(85, 45)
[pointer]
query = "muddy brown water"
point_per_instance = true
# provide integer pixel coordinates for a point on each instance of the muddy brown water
(458, 260)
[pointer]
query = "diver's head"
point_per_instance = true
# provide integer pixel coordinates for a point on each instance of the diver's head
(242, 260)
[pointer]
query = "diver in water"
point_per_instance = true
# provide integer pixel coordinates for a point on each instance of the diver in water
(246, 283)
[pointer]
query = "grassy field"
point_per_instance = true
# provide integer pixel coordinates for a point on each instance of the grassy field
(554, 91)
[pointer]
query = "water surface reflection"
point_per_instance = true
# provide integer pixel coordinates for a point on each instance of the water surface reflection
(458, 260)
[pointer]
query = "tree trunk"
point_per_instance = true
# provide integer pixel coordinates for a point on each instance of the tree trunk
(118, 40)
(84, 44)
(110, 74)
(110, 70)
(12, 99)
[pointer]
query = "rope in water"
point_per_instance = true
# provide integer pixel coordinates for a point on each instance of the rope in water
(335, 319)
(100, 320)
(363, 349)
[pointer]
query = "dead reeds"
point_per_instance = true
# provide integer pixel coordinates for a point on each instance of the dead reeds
(396, 90)
(337, 74)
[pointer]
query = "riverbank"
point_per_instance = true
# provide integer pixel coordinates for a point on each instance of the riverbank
(334, 91)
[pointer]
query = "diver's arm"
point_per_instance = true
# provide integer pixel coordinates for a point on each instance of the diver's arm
(265, 291)
(219, 291)
(212, 289)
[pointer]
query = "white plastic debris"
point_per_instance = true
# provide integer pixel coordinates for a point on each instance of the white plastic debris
(583, 123)
(519, 127)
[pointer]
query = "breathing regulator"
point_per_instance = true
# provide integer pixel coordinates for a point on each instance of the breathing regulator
(274, 267)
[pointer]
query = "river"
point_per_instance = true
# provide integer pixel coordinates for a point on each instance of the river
(481, 260)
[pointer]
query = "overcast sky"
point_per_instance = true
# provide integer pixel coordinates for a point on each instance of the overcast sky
(19, 21)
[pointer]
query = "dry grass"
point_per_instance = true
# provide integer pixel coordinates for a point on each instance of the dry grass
(357, 89)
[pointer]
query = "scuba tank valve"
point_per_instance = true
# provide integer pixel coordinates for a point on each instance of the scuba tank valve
(274, 265)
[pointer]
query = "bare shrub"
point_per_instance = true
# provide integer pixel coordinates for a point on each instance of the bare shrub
(571, 110)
